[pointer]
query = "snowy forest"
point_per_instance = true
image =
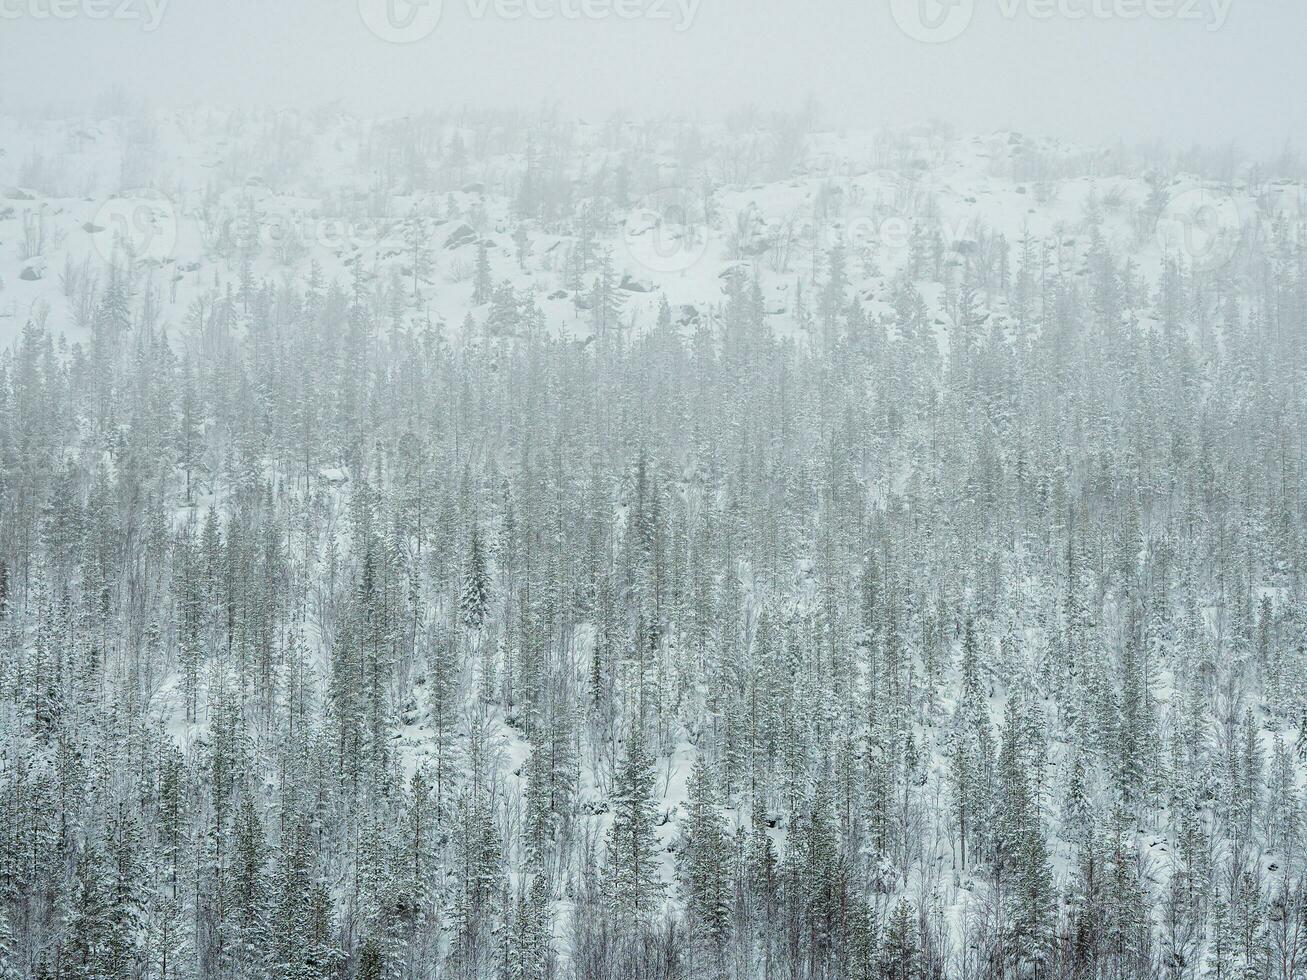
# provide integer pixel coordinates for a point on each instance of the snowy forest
(505, 545)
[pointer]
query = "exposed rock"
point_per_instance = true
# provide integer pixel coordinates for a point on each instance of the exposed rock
(460, 236)
(333, 475)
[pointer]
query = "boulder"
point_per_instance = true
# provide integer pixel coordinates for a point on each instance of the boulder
(460, 236)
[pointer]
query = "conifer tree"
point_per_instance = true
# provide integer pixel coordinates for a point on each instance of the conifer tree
(704, 857)
(634, 876)
(474, 600)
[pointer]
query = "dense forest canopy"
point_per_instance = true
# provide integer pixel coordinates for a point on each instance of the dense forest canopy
(459, 605)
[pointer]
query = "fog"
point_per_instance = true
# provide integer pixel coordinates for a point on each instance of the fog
(1177, 71)
(653, 490)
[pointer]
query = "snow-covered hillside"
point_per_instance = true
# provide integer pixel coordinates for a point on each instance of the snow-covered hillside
(206, 199)
(506, 545)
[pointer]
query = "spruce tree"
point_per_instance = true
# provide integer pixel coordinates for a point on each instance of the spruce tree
(635, 879)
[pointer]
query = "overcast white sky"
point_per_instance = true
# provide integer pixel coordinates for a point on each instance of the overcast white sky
(1191, 71)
